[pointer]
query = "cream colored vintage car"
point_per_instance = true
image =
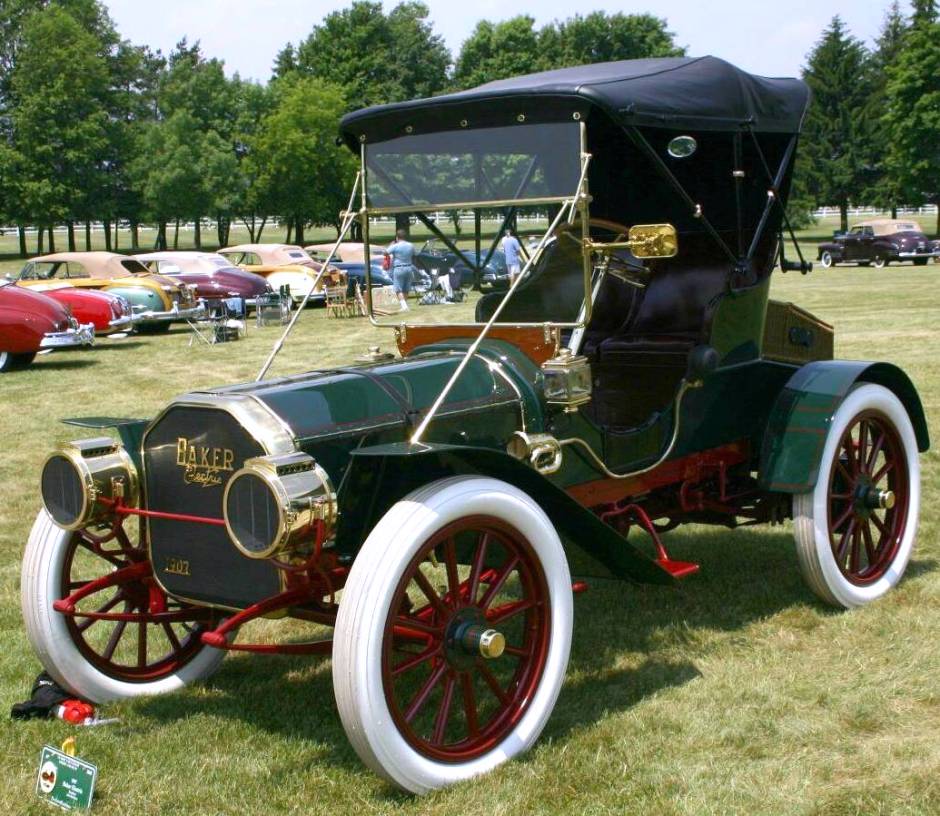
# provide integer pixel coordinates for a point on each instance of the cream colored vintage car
(286, 265)
(156, 300)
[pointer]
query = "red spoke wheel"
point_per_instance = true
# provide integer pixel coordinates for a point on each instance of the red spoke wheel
(868, 498)
(453, 633)
(160, 644)
(99, 659)
(451, 695)
(855, 530)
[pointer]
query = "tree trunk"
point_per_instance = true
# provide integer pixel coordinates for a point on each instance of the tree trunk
(71, 231)
(260, 230)
(197, 232)
(894, 210)
(107, 234)
(88, 236)
(299, 237)
(844, 214)
(40, 236)
(160, 243)
(117, 234)
(135, 236)
(290, 230)
(176, 235)
(51, 239)
(937, 231)
(21, 233)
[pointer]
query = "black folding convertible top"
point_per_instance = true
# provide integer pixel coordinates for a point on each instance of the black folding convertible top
(700, 93)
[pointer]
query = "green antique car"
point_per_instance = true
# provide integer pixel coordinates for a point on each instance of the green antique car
(634, 378)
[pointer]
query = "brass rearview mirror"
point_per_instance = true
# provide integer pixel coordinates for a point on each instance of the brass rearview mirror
(653, 241)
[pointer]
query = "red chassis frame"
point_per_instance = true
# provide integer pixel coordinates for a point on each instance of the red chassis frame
(689, 487)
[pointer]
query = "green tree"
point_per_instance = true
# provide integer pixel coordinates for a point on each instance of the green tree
(599, 37)
(376, 57)
(297, 169)
(60, 120)
(835, 160)
(912, 117)
(167, 170)
(499, 50)
(883, 189)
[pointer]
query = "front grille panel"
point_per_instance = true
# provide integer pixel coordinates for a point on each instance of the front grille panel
(189, 456)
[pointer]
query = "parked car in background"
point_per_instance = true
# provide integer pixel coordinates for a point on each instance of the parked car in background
(157, 300)
(285, 265)
(350, 257)
(879, 242)
(31, 322)
(213, 276)
(435, 257)
(107, 312)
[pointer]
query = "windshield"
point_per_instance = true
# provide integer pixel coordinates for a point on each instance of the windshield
(519, 163)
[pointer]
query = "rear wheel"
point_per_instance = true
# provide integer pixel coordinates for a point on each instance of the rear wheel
(101, 660)
(13, 362)
(453, 633)
(855, 530)
(880, 262)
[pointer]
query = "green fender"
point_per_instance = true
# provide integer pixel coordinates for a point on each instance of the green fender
(379, 476)
(799, 421)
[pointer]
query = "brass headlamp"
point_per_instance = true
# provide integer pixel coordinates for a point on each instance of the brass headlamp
(273, 504)
(76, 477)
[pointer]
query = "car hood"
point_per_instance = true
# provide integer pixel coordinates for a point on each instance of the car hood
(33, 304)
(247, 284)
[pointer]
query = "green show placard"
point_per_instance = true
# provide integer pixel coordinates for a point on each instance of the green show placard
(64, 780)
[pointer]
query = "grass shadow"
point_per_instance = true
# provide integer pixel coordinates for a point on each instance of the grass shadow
(745, 576)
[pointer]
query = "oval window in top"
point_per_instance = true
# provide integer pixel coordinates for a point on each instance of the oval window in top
(681, 147)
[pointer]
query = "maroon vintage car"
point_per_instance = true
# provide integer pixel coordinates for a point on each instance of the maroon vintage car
(31, 322)
(214, 277)
(879, 242)
(108, 313)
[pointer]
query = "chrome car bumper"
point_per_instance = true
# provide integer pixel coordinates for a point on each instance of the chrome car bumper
(126, 322)
(70, 338)
(176, 313)
(909, 255)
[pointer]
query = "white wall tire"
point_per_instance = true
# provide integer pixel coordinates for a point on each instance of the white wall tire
(826, 259)
(851, 550)
(365, 681)
(53, 638)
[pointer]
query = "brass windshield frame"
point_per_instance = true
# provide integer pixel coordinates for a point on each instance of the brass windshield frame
(576, 203)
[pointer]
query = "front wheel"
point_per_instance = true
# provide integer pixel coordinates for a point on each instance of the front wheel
(880, 262)
(453, 633)
(855, 530)
(98, 659)
(826, 259)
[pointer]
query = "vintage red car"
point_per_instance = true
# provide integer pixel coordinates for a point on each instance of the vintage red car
(108, 313)
(31, 322)
(213, 276)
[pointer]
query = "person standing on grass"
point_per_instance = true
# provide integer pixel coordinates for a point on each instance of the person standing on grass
(512, 250)
(402, 254)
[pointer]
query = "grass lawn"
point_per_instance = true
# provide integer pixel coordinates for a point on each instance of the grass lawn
(736, 693)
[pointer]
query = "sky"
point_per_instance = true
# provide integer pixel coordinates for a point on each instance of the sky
(765, 38)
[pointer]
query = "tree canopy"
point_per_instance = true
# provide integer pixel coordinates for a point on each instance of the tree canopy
(912, 116)
(836, 145)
